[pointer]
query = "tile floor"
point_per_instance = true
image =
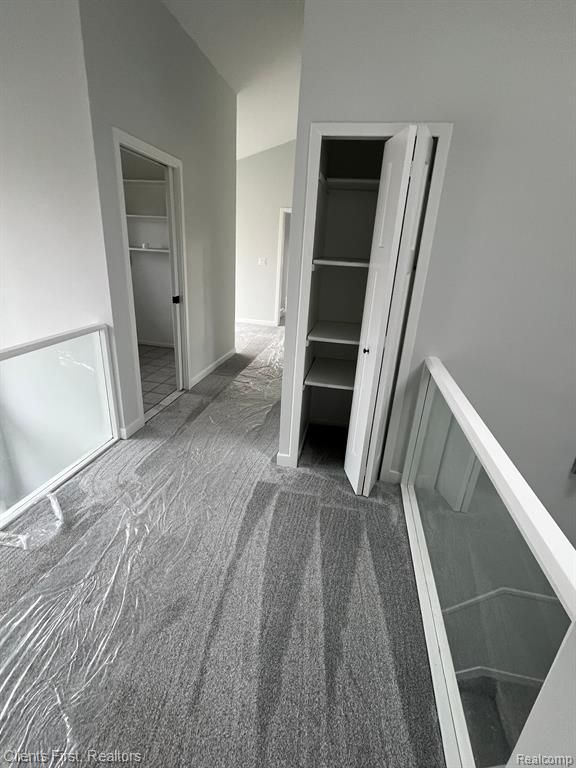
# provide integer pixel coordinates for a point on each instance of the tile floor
(157, 373)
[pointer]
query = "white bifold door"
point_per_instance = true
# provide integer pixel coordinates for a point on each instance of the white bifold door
(405, 170)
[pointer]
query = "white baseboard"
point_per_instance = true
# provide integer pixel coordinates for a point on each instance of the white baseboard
(256, 322)
(169, 345)
(212, 367)
(285, 460)
(130, 429)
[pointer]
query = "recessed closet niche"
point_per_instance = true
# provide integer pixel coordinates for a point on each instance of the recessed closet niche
(347, 196)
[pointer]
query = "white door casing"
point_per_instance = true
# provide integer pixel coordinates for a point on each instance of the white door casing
(406, 265)
(393, 191)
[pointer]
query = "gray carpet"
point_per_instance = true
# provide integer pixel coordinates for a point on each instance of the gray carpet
(203, 607)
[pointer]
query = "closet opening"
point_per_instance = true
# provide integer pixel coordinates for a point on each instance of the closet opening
(154, 272)
(371, 203)
(348, 192)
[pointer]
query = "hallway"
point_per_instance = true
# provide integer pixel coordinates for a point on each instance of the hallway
(204, 607)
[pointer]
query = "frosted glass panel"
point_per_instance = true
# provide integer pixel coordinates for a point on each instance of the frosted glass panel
(503, 620)
(54, 411)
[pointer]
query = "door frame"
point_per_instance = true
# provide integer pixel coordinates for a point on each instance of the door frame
(442, 133)
(282, 255)
(177, 256)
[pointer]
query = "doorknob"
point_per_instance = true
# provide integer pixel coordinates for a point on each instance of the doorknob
(365, 351)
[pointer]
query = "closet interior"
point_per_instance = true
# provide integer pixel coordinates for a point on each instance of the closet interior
(148, 224)
(349, 180)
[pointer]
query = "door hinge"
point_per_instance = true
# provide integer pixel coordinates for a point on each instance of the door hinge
(175, 299)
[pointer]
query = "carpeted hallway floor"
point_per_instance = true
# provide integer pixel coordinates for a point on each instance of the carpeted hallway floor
(205, 608)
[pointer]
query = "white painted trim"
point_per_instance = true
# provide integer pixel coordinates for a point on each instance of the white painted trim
(133, 427)
(48, 341)
(306, 258)
(210, 368)
(280, 262)
(443, 133)
(285, 460)
(178, 260)
(250, 321)
(143, 148)
(177, 234)
(455, 739)
(109, 381)
(499, 592)
(552, 550)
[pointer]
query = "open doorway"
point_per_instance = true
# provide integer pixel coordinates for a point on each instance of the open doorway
(371, 202)
(282, 269)
(154, 251)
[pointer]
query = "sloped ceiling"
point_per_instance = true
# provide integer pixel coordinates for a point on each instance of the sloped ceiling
(256, 46)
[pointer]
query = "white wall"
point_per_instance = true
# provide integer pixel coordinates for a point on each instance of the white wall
(52, 261)
(148, 78)
(499, 306)
(256, 47)
(264, 185)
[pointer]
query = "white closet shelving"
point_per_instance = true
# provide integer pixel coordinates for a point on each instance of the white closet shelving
(331, 373)
(149, 250)
(347, 196)
(340, 263)
(145, 216)
(144, 181)
(145, 190)
(334, 332)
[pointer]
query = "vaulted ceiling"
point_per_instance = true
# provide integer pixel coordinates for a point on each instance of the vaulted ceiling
(255, 45)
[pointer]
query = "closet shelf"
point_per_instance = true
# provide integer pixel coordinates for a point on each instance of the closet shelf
(339, 263)
(150, 250)
(144, 181)
(331, 373)
(361, 184)
(145, 216)
(335, 332)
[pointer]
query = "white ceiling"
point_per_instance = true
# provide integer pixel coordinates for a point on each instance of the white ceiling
(256, 46)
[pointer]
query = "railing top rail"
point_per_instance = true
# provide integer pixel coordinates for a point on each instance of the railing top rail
(48, 341)
(549, 545)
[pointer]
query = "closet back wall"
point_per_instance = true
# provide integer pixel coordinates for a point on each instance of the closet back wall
(147, 77)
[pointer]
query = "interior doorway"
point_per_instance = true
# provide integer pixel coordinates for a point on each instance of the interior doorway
(282, 268)
(154, 248)
(371, 202)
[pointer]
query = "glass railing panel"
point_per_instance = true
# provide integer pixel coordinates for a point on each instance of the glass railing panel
(503, 620)
(54, 412)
